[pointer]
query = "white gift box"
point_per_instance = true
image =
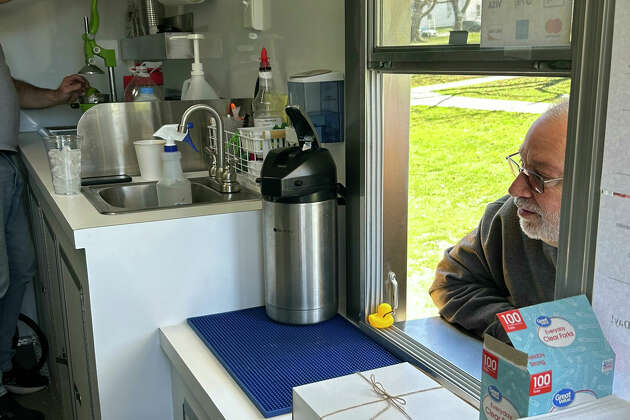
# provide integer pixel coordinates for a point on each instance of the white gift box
(354, 397)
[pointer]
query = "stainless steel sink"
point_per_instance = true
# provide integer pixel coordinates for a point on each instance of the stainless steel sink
(140, 196)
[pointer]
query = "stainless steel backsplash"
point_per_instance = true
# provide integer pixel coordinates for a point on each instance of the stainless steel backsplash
(110, 129)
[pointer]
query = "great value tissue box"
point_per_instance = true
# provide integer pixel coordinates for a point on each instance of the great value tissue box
(560, 359)
(353, 397)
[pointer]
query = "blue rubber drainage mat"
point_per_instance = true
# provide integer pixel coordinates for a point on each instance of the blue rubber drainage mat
(267, 359)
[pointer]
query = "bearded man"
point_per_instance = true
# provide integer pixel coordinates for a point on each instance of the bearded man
(509, 260)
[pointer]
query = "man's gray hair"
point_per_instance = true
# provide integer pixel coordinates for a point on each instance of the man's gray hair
(558, 111)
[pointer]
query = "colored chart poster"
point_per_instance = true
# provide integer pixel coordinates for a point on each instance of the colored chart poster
(611, 289)
(525, 23)
(616, 165)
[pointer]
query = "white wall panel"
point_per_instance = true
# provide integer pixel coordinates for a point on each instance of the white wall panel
(42, 43)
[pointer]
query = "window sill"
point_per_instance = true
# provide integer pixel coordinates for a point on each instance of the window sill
(447, 341)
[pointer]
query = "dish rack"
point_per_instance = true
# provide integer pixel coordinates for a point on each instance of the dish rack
(247, 147)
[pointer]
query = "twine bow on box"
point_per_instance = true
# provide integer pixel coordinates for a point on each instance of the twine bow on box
(397, 401)
(379, 389)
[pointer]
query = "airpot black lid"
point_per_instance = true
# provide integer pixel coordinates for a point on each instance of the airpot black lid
(299, 174)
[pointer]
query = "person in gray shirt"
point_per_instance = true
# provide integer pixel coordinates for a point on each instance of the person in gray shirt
(17, 258)
(509, 260)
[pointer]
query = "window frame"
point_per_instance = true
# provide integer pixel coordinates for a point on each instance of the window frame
(587, 62)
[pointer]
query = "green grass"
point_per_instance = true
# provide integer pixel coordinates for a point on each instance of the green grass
(529, 89)
(456, 167)
(436, 79)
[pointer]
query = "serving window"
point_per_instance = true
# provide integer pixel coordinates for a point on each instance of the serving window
(431, 117)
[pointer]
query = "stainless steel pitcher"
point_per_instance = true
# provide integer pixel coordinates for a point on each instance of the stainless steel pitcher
(299, 188)
(300, 253)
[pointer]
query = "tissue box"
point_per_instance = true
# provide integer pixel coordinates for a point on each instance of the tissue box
(353, 397)
(560, 359)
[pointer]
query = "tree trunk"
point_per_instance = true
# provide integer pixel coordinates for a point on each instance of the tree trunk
(419, 9)
(458, 18)
(416, 18)
(459, 13)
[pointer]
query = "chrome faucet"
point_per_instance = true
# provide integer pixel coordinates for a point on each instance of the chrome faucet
(222, 175)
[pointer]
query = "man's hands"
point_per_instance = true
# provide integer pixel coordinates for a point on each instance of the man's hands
(70, 89)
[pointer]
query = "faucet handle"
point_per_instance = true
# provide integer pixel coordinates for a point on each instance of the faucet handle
(229, 172)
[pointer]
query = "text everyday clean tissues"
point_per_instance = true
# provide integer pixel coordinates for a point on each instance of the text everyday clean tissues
(560, 359)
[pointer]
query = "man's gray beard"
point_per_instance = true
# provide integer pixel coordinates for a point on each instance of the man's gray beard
(546, 228)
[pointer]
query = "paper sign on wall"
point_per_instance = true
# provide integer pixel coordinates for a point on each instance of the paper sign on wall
(616, 165)
(525, 23)
(611, 289)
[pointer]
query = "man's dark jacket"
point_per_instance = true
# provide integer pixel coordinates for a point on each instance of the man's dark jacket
(495, 268)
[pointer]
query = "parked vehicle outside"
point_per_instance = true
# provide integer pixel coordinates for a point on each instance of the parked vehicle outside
(427, 33)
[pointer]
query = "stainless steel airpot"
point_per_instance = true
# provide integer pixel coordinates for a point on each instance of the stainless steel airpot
(300, 190)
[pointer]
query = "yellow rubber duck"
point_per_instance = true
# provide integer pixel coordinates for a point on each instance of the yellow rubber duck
(383, 317)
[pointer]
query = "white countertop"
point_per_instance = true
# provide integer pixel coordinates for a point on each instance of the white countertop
(78, 213)
(213, 386)
(199, 368)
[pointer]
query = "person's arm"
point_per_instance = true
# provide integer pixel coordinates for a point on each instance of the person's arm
(34, 97)
(469, 289)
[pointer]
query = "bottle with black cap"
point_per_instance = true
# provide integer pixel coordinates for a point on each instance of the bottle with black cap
(300, 194)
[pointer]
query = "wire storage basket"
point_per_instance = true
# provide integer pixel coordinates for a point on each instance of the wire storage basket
(247, 147)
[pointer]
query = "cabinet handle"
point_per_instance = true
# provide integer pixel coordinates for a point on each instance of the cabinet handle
(77, 394)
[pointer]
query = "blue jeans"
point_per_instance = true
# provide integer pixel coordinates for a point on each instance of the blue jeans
(17, 255)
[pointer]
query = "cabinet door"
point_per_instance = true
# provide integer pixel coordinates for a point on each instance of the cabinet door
(41, 279)
(187, 412)
(58, 361)
(77, 333)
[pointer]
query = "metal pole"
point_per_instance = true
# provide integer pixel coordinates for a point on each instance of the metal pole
(112, 84)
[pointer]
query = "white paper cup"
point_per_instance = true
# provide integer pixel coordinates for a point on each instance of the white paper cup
(149, 158)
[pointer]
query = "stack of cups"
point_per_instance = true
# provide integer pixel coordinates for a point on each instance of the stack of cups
(64, 156)
(149, 153)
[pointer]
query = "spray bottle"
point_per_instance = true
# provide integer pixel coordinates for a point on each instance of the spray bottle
(173, 188)
(196, 87)
(142, 79)
(267, 111)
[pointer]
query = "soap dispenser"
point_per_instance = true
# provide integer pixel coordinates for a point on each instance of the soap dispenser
(197, 87)
(172, 187)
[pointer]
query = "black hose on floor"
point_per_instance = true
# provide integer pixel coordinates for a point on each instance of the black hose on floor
(43, 342)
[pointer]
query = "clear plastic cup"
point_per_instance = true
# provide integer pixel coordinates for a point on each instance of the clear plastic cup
(64, 157)
(149, 154)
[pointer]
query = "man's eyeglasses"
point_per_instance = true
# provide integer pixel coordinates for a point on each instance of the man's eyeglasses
(536, 182)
